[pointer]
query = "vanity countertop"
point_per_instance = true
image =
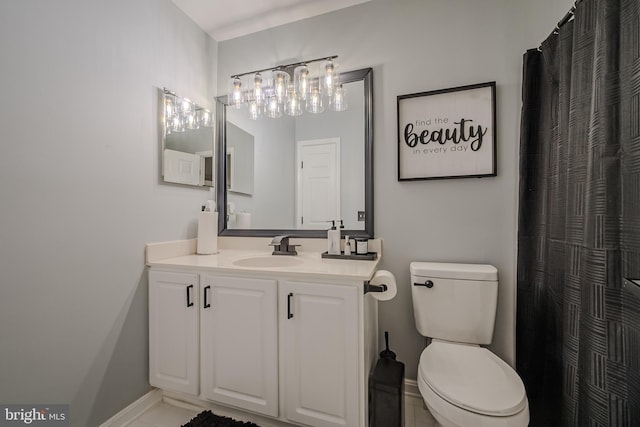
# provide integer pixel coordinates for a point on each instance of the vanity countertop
(308, 264)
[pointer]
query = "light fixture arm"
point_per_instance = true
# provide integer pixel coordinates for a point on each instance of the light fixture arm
(286, 66)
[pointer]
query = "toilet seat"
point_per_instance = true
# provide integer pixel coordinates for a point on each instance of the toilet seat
(472, 378)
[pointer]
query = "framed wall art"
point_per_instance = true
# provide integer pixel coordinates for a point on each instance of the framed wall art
(447, 133)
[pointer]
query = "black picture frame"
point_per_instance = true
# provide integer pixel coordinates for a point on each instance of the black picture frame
(447, 133)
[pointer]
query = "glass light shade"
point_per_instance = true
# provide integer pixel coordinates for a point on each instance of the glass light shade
(339, 99)
(169, 111)
(204, 118)
(178, 118)
(280, 84)
(331, 77)
(185, 106)
(301, 81)
(176, 123)
(257, 92)
(293, 104)
(273, 107)
(189, 114)
(236, 97)
(254, 110)
(192, 123)
(314, 102)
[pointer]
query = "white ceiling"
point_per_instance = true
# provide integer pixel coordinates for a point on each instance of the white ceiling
(226, 19)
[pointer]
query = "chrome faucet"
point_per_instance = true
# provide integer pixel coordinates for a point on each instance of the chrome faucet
(281, 246)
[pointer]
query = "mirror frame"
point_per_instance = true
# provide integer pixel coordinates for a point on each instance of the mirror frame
(366, 75)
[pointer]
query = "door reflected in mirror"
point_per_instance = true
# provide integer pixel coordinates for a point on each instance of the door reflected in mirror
(306, 170)
(187, 142)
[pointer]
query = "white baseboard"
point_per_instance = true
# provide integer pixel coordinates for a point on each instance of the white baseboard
(132, 411)
(411, 389)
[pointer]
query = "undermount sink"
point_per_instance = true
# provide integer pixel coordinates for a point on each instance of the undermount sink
(268, 262)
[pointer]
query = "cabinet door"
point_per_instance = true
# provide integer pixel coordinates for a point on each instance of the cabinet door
(320, 353)
(239, 359)
(173, 331)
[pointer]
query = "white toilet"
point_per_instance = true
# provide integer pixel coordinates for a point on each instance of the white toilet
(463, 384)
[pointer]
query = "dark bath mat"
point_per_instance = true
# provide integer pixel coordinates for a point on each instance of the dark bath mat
(209, 419)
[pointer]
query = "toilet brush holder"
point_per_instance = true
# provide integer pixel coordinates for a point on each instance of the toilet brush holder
(386, 390)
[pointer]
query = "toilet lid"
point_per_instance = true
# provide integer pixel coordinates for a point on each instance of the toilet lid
(472, 378)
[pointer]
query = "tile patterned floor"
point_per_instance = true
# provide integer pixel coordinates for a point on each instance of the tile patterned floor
(164, 414)
(416, 414)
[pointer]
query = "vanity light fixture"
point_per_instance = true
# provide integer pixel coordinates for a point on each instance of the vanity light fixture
(181, 114)
(289, 89)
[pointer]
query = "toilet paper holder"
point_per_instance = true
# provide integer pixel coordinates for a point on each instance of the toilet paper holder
(368, 287)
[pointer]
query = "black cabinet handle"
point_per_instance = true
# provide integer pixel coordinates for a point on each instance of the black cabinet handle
(426, 284)
(289, 314)
(206, 303)
(189, 302)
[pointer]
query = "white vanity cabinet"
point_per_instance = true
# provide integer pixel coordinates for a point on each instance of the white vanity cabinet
(319, 359)
(239, 342)
(173, 331)
(295, 344)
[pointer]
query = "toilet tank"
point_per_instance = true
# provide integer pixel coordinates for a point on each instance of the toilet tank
(455, 302)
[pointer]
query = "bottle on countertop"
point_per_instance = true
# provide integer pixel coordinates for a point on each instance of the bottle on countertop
(333, 239)
(347, 246)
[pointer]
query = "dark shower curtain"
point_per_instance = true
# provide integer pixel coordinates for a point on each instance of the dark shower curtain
(578, 328)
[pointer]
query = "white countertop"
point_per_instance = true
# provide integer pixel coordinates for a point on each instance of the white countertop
(313, 265)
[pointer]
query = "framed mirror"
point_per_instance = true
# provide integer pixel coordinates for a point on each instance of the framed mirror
(290, 156)
(187, 149)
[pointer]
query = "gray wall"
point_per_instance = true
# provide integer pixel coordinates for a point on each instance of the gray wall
(80, 193)
(415, 46)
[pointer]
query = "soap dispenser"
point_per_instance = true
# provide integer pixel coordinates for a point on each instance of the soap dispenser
(333, 240)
